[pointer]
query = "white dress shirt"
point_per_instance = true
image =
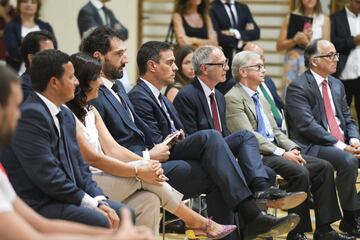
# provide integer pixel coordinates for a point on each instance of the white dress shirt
(352, 66)
(87, 200)
(207, 92)
(319, 79)
(232, 8)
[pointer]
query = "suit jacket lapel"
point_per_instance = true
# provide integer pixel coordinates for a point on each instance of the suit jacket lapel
(203, 102)
(346, 26)
(97, 15)
(337, 101)
(221, 109)
(247, 100)
(316, 92)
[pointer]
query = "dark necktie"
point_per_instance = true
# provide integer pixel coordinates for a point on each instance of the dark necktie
(330, 116)
(260, 118)
(163, 106)
(63, 148)
(116, 89)
(214, 112)
(275, 111)
(232, 16)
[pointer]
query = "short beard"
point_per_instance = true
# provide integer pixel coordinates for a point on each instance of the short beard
(111, 72)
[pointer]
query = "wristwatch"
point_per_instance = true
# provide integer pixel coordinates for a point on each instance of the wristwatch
(103, 202)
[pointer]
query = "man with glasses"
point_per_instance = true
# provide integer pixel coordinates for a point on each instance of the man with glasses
(248, 111)
(201, 106)
(345, 35)
(319, 120)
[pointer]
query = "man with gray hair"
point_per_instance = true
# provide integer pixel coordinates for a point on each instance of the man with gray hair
(201, 106)
(249, 111)
(320, 122)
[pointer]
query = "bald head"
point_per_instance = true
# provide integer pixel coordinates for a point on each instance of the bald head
(253, 47)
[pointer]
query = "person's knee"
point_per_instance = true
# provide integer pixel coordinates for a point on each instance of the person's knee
(99, 220)
(350, 163)
(302, 176)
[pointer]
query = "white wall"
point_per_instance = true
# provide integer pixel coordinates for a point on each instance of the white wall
(62, 15)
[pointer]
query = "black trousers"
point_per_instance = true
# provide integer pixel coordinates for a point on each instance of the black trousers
(317, 177)
(352, 89)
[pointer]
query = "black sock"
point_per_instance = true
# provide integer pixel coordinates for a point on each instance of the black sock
(248, 210)
(349, 216)
(324, 228)
(259, 184)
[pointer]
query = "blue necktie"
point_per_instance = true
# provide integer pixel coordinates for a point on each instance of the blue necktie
(260, 118)
(167, 113)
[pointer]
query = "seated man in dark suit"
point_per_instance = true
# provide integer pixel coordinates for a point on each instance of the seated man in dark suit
(222, 181)
(234, 25)
(43, 161)
(201, 106)
(247, 110)
(33, 42)
(268, 89)
(18, 220)
(319, 120)
(95, 14)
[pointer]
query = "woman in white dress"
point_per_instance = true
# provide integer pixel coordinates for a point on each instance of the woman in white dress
(119, 171)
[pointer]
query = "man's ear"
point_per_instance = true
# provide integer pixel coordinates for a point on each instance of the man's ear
(242, 72)
(53, 83)
(313, 62)
(99, 56)
(151, 65)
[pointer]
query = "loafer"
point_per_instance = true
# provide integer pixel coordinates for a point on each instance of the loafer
(352, 229)
(266, 225)
(277, 198)
(296, 236)
(332, 235)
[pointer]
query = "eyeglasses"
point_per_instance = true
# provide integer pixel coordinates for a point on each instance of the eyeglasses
(330, 56)
(259, 67)
(223, 65)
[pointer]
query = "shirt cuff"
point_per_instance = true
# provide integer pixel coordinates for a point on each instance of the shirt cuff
(279, 151)
(146, 155)
(89, 202)
(340, 145)
(236, 33)
(354, 141)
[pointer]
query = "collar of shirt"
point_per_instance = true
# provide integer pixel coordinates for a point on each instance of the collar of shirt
(108, 84)
(350, 13)
(154, 90)
(206, 89)
(319, 79)
(54, 110)
(98, 4)
(231, 1)
(249, 91)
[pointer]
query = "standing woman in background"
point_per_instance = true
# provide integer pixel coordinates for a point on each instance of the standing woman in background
(185, 74)
(27, 20)
(294, 47)
(192, 24)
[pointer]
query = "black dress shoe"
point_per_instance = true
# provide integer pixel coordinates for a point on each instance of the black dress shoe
(277, 198)
(296, 236)
(331, 236)
(266, 225)
(353, 229)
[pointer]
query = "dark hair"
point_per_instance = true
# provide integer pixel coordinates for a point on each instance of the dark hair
(150, 51)
(310, 51)
(37, 14)
(99, 40)
(182, 5)
(300, 7)
(7, 78)
(45, 65)
(31, 43)
(87, 69)
(180, 54)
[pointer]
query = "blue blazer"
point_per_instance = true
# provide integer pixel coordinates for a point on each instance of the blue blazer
(134, 136)
(12, 40)
(192, 106)
(341, 38)
(305, 112)
(32, 160)
(89, 17)
(149, 110)
(26, 84)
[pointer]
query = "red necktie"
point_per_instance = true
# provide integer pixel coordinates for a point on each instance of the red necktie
(2, 169)
(330, 116)
(214, 112)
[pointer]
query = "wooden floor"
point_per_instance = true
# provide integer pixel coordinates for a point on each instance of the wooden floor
(335, 225)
